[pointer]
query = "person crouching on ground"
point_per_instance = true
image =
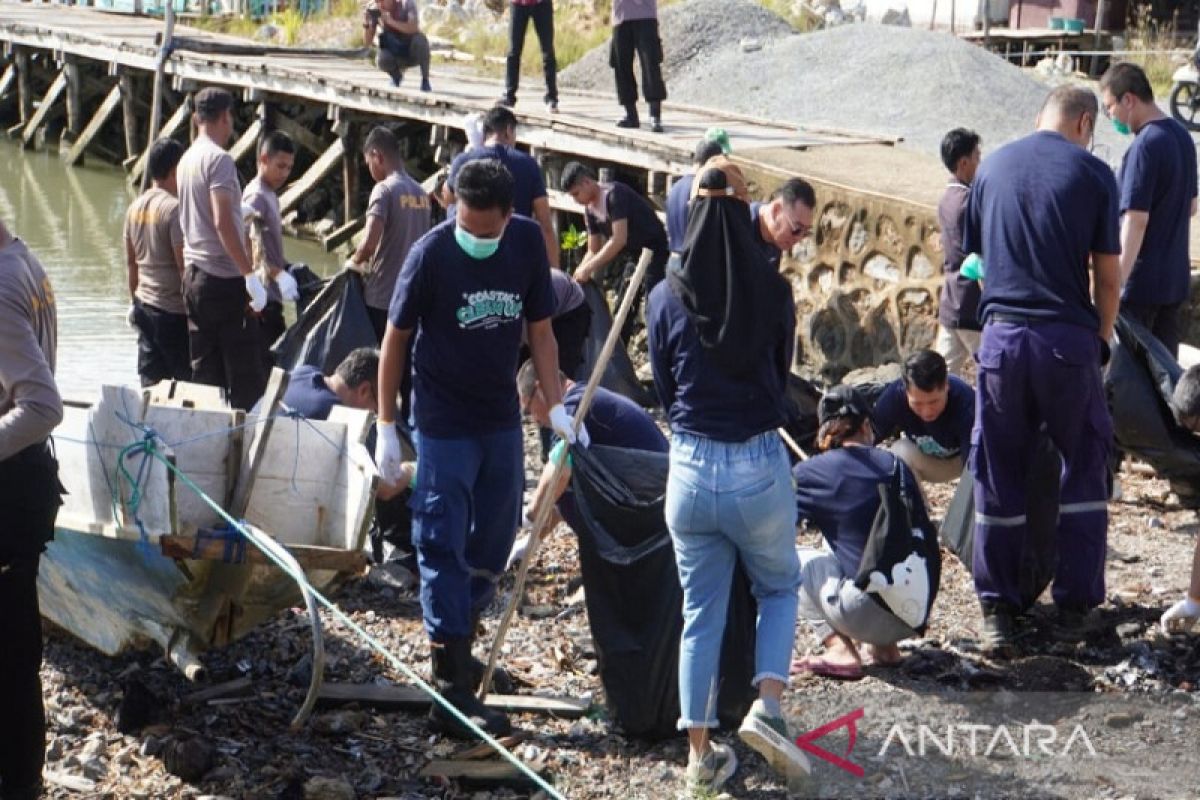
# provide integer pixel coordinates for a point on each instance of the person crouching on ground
(721, 335)
(837, 493)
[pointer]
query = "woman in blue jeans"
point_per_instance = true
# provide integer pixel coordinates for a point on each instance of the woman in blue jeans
(721, 330)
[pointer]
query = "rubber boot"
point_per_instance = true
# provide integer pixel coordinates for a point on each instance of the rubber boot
(631, 117)
(502, 682)
(656, 117)
(452, 676)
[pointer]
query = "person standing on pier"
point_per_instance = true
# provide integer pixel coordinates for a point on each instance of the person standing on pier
(542, 14)
(223, 329)
(276, 155)
(401, 44)
(466, 291)
(635, 30)
(154, 260)
(30, 495)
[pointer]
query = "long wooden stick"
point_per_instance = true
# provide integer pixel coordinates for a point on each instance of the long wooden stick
(792, 444)
(541, 514)
(159, 78)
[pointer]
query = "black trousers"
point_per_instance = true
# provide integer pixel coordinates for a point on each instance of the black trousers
(162, 345)
(542, 15)
(224, 337)
(272, 325)
(1162, 321)
(30, 495)
(638, 36)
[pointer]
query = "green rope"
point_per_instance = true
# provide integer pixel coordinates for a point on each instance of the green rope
(540, 782)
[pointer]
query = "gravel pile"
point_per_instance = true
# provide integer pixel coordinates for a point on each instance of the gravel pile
(692, 33)
(860, 77)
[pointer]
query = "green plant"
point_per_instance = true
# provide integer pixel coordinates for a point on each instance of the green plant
(290, 21)
(572, 240)
(1148, 39)
(801, 17)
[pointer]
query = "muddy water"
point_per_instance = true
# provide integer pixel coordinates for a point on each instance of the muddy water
(71, 218)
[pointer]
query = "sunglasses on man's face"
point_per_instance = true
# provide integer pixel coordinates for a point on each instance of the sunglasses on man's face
(797, 229)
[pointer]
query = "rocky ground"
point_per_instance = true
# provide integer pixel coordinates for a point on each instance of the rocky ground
(1132, 689)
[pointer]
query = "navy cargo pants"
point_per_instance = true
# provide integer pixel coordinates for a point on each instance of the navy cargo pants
(466, 506)
(1031, 374)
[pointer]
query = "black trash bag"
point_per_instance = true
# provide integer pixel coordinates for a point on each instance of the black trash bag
(332, 325)
(619, 375)
(308, 282)
(1039, 557)
(1140, 380)
(803, 397)
(392, 520)
(633, 597)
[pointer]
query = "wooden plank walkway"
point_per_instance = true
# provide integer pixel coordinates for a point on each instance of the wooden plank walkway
(584, 125)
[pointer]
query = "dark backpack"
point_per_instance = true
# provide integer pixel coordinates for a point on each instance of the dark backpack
(901, 564)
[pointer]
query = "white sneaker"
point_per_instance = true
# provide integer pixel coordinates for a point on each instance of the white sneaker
(708, 774)
(768, 736)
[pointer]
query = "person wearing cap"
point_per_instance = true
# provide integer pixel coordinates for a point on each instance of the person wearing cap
(681, 191)
(154, 268)
(276, 155)
(931, 413)
(958, 304)
(529, 193)
(837, 492)
(635, 31)
(221, 292)
(785, 220)
(721, 333)
(467, 291)
(1042, 210)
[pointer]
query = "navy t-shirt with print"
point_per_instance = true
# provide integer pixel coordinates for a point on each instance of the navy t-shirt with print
(308, 394)
(1038, 208)
(838, 493)
(469, 315)
(1158, 175)
(643, 226)
(528, 184)
(948, 435)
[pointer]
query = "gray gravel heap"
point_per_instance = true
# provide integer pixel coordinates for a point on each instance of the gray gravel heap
(688, 30)
(876, 78)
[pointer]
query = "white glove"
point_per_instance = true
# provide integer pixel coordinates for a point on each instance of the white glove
(131, 315)
(387, 451)
(288, 288)
(351, 264)
(1181, 616)
(257, 292)
(248, 211)
(563, 425)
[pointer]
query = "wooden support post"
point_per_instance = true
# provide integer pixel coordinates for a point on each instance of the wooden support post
(302, 135)
(24, 89)
(94, 126)
(129, 113)
(39, 117)
(106, 110)
(173, 126)
(247, 142)
(75, 121)
(351, 168)
(308, 181)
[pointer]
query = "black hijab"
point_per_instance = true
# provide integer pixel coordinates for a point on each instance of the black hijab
(735, 298)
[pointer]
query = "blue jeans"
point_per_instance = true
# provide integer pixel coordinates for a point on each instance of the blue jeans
(466, 506)
(725, 500)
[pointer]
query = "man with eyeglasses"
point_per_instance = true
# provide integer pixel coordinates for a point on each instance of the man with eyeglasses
(1158, 199)
(1042, 214)
(785, 220)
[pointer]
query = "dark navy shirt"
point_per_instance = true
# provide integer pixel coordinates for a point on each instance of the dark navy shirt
(614, 420)
(958, 306)
(469, 315)
(1158, 175)
(308, 395)
(837, 492)
(699, 397)
(643, 228)
(677, 211)
(948, 435)
(1038, 207)
(528, 184)
(772, 253)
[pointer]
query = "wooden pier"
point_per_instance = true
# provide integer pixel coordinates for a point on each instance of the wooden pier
(79, 80)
